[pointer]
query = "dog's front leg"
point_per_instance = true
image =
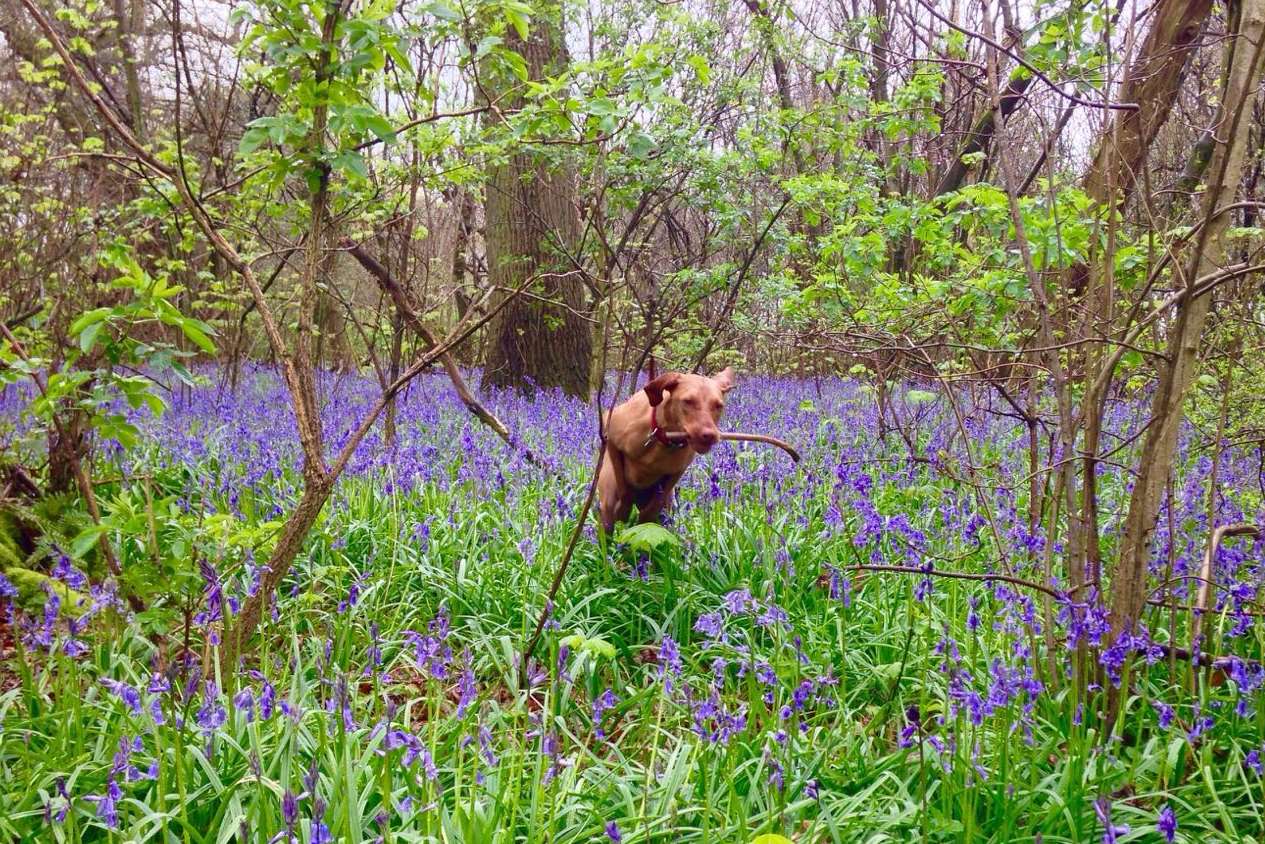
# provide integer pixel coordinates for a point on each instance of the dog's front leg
(615, 498)
(659, 500)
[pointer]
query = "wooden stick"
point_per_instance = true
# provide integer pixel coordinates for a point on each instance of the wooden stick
(1205, 575)
(738, 436)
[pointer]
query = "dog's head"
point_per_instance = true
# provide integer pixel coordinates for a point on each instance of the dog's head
(691, 403)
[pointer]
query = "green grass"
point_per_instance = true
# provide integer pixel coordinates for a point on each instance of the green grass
(653, 775)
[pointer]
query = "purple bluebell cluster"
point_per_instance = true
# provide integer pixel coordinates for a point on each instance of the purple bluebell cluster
(770, 640)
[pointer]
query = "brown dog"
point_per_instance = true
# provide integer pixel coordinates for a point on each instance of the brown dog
(642, 465)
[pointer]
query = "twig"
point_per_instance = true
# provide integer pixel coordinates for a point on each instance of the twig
(738, 436)
(15, 321)
(1038, 74)
(961, 575)
(1205, 575)
(393, 289)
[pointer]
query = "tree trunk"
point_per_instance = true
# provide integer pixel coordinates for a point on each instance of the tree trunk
(131, 21)
(1152, 84)
(397, 356)
(1243, 66)
(67, 448)
(541, 339)
(335, 349)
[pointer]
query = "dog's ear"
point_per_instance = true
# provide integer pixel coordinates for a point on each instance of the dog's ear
(654, 389)
(725, 379)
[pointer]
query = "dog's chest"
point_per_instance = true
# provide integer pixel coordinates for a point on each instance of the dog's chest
(657, 463)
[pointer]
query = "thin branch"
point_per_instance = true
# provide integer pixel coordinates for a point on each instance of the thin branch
(1026, 64)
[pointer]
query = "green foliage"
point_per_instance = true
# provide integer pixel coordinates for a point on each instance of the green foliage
(649, 538)
(112, 346)
(651, 772)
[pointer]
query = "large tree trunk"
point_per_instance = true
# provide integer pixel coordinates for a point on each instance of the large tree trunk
(1243, 68)
(541, 339)
(1152, 83)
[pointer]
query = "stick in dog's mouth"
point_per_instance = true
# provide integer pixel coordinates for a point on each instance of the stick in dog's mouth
(679, 436)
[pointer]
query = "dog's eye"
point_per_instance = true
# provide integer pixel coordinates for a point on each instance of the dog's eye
(691, 402)
(718, 406)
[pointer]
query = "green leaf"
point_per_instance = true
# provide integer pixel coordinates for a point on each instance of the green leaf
(196, 331)
(648, 537)
(519, 16)
(84, 542)
(252, 139)
(89, 318)
(596, 646)
(352, 163)
(380, 127)
(517, 64)
(485, 46)
(600, 647)
(313, 176)
(701, 69)
(183, 373)
(154, 402)
(88, 337)
(640, 145)
(443, 11)
(397, 55)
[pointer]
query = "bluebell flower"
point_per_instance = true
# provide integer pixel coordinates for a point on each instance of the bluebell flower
(66, 572)
(738, 601)
(244, 702)
(604, 702)
(211, 715)
(1164, 712)
(1166, 824)
(8, 591)
(131, 697)
(669, 662)
(777, 777)
(62, 802)
(1111, 831)
(712, 625)
(320, 830)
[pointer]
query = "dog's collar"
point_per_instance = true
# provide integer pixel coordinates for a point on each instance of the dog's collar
(659, 434)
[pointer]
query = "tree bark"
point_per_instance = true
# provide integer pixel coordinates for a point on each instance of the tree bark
(1243, 67)
(130, 19)
(1153, 83)
(542, 340)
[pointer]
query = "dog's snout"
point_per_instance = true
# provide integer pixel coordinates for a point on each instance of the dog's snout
(708, 438)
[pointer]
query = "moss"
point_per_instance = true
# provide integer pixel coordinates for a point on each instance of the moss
(32, 592)
(10, 551)
(31, 584)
